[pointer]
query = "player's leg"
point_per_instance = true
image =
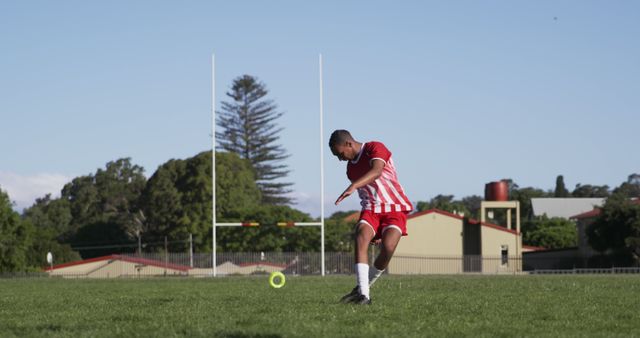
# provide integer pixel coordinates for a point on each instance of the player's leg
(393, 228)
(390, 238)
(364, 233)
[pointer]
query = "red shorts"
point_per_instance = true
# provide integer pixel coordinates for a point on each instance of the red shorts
(381, 222)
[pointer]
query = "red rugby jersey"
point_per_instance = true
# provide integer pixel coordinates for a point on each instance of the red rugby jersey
(385, 194)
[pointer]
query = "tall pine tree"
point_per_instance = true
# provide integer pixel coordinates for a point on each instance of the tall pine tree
(248, 128)
(561, 190)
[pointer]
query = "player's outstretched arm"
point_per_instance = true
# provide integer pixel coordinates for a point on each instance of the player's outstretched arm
(377, 166)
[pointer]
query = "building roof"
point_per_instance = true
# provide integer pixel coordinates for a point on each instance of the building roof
(129, 259)
(564, 207)
(573, 248)
(596, 211)
(589, 214)
(533, 248)
(472, 221)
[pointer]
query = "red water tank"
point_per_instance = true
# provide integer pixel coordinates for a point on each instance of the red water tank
(496, 191)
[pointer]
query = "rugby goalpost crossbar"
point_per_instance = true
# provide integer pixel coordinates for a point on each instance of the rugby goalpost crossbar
(279, 224)
(253, 224)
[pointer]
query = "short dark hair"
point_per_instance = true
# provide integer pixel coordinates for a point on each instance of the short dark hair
(339, 136)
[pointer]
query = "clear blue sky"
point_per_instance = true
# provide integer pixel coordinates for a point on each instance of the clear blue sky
(462, 92)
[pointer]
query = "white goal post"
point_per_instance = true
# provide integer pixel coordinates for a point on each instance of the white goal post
(281, 224)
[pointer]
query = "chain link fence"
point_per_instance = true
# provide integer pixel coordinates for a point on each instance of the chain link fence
(291, 263)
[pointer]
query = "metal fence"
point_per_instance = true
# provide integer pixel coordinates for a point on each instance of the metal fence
(583, 271)
(247, 263)
(292, 263)
(199, 265)
(472, 264)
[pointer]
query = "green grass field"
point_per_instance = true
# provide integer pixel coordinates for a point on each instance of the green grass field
(307, 306)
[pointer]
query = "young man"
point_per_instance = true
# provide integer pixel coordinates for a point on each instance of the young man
(384, 206)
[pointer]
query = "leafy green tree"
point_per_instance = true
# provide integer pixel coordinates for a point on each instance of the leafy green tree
(248, 129)
(550, 233)
(50, 220)
(161, 201)
(177, 198)
(82, 196)
(54, 215)
(44, 241)
(104, 207)
(589, 190)
(339, 232)
(472, 203)
(448, 204)
(268, 236)
(236, 190)
(617, 229)
(14, 237)
(119, 186)
(422, 206)
(630, 188)
(561, 190)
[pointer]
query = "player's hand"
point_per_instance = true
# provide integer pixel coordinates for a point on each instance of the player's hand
(345, 194)
(376, 242)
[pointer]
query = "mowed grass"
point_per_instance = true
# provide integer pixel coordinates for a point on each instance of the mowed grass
(417, 306)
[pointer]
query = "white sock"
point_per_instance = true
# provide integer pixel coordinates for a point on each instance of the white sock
(374, 274)
(362, 276)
